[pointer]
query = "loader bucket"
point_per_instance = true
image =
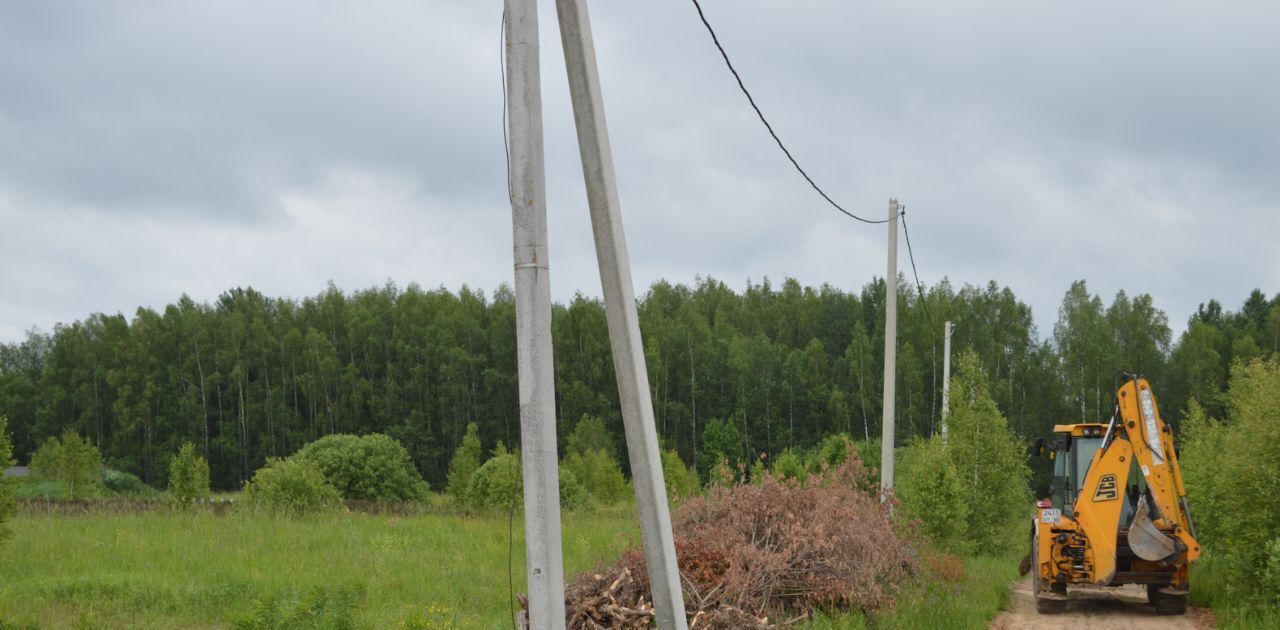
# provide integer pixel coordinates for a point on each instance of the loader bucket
(1145, 540)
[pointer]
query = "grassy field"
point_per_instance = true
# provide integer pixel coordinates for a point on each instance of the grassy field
(194, 570)
(165, 570)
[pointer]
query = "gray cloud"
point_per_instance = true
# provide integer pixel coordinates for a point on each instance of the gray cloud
(154, 148)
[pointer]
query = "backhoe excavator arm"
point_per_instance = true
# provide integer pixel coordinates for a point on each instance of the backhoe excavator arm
(1136, 434)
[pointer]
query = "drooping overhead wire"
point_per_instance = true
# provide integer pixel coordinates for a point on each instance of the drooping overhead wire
(902, 215)
(750, 99)
(742, 86)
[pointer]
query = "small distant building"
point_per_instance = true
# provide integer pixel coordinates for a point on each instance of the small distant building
(17, 471)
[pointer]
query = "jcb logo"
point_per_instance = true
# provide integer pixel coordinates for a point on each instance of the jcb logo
(1106, 489)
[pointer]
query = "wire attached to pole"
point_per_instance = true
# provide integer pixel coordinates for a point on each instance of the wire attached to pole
(769, 127)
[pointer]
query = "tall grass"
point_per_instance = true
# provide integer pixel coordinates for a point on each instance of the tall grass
(1219, 584)
(173, 569)
(962, 603)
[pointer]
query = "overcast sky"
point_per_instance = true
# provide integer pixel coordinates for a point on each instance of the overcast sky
(150, 148)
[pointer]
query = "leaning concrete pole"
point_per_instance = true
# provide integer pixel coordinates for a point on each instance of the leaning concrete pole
(533, 320)
(946, 376)
(890, 351)
(620, 311)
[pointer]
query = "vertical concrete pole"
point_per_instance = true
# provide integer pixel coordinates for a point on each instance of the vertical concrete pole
(946, 375)
(545, 571)
(620, 311)
(890, 351)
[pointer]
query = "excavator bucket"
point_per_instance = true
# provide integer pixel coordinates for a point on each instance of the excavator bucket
(1145, 540)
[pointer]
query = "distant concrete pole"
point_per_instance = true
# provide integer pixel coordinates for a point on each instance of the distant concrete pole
(890, 351)
(620, 311)
(545, 571)
(946, 375)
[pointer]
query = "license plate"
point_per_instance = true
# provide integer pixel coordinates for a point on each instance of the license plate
(1050, 515)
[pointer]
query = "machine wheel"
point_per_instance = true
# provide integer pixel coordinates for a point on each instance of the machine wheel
(1167, 601)
(1048, 602)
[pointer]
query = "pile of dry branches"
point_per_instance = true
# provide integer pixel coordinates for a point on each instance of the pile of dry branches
(761, 555)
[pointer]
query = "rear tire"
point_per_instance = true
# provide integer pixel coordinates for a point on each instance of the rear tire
(1167, 601)
(1048, 602)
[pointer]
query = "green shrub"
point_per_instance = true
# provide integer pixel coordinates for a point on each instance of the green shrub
(126, 484)
(290, 486)
(599, 473)
(590, 434)
(869, 453)
(320, 608)
(572, 493)
(990, 461)
(7, 484)
(464, 464)
(497, 482)
(788, 467)
(931, 493)
(73, 461)
(1231, 469)
(188, 475)
(371, 467)
(1271, 574)
(721, 444)
(832, 452)
(681, 480)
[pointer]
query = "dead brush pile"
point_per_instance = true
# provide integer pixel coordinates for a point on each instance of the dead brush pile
(762, 555)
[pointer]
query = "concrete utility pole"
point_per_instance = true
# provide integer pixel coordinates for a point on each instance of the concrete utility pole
(543, 554)
(890, 351)
(946, 375)
(620, 311)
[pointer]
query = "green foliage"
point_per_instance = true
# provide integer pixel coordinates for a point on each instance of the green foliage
(789, 467)
(599, 473)
(497, 483)
(832, 452)
(681, 480)
(7, 504)
(990, 461)
(290, 486)
(758, 472)
(320, 608)
(72, 461)
(370, 467)
(126, 484)
(1232, 471)
(589, 435)
(1271, 573)
(572, 493)
(721, 444)
(188, 476)
(249, 376)
(931, 493)
(869, 453)
(464, 464)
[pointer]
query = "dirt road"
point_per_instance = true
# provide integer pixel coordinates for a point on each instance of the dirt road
(1096, 609)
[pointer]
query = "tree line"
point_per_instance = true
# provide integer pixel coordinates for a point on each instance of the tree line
(250, 377)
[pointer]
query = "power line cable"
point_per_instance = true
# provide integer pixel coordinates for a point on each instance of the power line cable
(776, 139)
(902, 214)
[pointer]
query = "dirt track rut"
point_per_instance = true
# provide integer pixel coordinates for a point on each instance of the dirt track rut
(1096, 609)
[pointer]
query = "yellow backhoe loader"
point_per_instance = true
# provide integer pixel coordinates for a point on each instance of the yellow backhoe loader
(1118, 513)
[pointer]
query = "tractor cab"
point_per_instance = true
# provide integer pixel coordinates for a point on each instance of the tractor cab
(1071, 451)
